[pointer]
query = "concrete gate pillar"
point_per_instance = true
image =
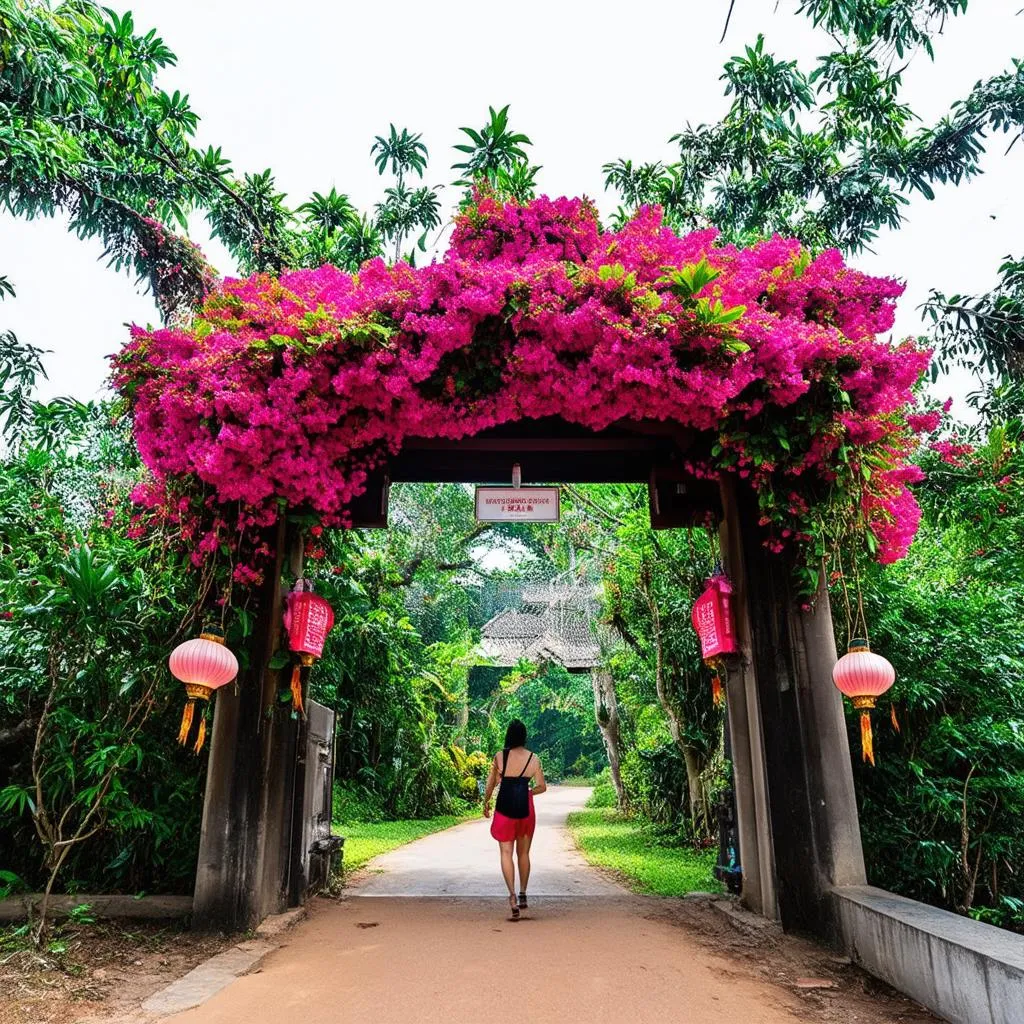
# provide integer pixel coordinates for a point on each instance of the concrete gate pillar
(244, 848)
(798, 824)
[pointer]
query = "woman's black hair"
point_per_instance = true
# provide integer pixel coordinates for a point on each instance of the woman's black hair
(515, 734)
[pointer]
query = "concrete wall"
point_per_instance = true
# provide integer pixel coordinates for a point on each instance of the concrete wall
(965, 971)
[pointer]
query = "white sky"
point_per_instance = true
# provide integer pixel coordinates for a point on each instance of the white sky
(304, 87)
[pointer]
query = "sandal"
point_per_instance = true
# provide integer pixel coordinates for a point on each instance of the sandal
(523, 905)
(514, 907)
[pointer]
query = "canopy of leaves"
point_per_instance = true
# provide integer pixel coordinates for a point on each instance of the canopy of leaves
(831, 155)
(983, 332)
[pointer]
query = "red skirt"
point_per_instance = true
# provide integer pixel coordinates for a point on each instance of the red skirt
(506, 829)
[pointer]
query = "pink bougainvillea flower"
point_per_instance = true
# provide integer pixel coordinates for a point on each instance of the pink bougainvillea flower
(288, 392)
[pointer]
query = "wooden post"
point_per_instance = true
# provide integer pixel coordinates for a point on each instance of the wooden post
(815, 833)
(246, 812)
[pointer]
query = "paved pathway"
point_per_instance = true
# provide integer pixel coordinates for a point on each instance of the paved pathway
(424, 939)
(463, 861)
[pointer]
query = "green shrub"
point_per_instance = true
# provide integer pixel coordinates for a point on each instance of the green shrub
(89, 616)
(355, 803)
(603, 795)
(655, 780)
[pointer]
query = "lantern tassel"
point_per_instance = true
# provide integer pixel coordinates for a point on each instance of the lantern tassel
(297, 688)
(186, 721)
(867, 743)
(717, 696)
(201, 738)
(895, 720)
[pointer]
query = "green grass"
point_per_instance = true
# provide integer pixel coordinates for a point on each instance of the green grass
(365, 840)
(631, 849)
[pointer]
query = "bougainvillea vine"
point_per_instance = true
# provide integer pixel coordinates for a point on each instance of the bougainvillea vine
(285, 392)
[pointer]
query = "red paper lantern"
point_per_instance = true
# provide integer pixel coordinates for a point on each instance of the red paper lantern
(308, 618)
(203, 664)
(713, 619)
(863, 676)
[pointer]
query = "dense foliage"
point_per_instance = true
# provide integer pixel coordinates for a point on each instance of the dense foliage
(89, 782)
(557, 708)
(669, 732)
(943, 814)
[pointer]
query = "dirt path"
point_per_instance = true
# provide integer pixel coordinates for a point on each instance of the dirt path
(423, 937)
(394, 960)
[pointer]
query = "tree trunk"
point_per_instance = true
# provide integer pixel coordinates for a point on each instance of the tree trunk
(606, 711)
(462, 726)
(700, 812)
(700, 818)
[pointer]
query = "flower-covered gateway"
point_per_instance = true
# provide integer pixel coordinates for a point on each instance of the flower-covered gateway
(285, 392)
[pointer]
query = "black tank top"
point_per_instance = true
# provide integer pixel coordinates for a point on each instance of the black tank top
(514, 794)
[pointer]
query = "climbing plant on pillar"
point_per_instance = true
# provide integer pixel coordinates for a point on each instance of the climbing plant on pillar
(286, 392)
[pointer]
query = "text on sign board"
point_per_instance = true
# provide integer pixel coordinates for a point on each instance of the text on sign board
(517, 504)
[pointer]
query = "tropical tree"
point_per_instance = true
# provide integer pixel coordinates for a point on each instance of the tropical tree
(362, 241)
(831, 156)
(403, 209)
(653, 698)
(86, 131)
(983, 333)
(492, 149)
(402, 151)
(899, 28)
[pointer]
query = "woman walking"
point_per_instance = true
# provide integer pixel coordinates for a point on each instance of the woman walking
(514, 817)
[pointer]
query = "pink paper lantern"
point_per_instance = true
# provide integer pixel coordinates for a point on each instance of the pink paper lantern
(203, 664)
(863, 676)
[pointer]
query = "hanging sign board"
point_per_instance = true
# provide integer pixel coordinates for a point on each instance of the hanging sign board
(517, 504)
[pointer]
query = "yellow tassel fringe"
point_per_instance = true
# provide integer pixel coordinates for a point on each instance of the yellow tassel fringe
(186, 721)
(297, 688)
(867, 742)
(201, 738)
